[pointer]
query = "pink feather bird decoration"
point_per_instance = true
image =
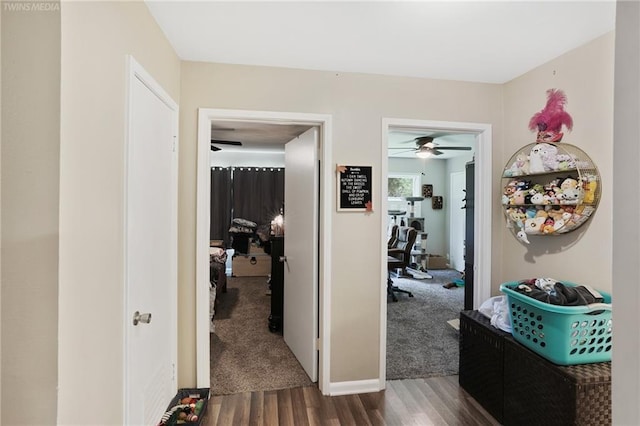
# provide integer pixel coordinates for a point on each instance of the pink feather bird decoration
(548, 122)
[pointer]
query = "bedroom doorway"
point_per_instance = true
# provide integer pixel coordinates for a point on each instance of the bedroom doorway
(482, 217)
(323, 123)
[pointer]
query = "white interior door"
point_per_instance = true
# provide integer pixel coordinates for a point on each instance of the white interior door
(151, 251)
(456, 221)
(300, 312)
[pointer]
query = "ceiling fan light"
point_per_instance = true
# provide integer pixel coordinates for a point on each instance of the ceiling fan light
(423, 153)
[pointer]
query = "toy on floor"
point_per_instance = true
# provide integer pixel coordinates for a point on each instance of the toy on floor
(186, 412)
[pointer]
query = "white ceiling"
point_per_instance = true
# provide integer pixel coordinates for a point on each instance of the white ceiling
(478, 41)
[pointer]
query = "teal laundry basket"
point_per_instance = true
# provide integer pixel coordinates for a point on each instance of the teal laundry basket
(565, 335)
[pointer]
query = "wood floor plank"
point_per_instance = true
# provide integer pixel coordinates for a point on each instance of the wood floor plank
(298, 407)
(270, 408)
(228, 409)
(455, 393)
(431, 401)
(256, 414)
(313, 403)
(469, 404)
(328, 413)
(358, 410)
(439, 404)
(432, 414)
(345, 416)
(213, 411)
(285, 411)
(393, 411)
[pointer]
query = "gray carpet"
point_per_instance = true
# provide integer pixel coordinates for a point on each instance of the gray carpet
(245, 355)
(420, 343)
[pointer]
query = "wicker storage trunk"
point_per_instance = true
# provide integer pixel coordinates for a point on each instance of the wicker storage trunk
(538, 392)
(481, 361)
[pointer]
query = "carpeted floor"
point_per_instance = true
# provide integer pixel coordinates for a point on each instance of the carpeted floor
(420, 342)
(245, 355)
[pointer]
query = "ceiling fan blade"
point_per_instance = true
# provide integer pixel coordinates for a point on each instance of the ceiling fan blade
(402, 152)
(436, 152)
(223, 142)
(414, 140)
(455, 148)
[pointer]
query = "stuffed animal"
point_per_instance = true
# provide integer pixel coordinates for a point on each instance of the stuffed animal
(535, 160)
(522, 236)
(566, 161)
(539, 199)
(548, 228)
(558, 224)
(543, 158)
(549, 157)
(518, 197)
(519, 167)
(517, 216)
(568, 183)
(534, 226)
(556, 213)
(571, 196)
(590, 185)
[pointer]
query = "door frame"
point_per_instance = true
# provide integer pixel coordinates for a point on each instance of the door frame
(203, 195)
(482, 216)
(135, 71)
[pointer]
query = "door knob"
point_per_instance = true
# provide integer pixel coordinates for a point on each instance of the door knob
(143, 318)
(283, 258)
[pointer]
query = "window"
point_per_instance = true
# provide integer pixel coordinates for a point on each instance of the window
(403, 185)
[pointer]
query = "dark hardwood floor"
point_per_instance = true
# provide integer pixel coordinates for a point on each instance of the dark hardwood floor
(423, 402)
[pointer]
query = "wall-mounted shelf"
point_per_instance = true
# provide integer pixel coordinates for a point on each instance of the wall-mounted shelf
(549, 189)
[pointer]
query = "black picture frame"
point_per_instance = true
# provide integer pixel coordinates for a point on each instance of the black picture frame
(427, 190)
(355, 190)
(436, 202)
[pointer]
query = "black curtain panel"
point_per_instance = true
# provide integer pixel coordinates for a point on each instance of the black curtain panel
(258, 193)
(220, 204)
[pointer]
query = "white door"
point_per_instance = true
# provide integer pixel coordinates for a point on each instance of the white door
(456, 220)
(300, 312)
(150, 250)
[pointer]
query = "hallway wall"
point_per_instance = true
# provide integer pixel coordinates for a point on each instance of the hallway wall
(357, 102)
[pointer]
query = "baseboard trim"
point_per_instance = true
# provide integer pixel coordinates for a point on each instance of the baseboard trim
(354, 387)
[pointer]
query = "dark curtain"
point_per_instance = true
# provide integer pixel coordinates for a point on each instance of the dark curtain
(220, 204)
(258, 193)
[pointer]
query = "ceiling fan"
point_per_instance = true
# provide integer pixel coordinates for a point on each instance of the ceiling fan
(425, 147)
(215, 142)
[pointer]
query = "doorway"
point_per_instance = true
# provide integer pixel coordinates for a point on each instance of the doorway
(482, 276)
(323, 122)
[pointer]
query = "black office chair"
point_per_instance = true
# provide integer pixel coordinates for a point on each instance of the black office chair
(399, 257)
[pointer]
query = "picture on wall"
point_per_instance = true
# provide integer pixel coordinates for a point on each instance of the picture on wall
(427, 190)
(436, 202)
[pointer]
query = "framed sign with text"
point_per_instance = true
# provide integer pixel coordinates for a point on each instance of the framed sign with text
(354, 188)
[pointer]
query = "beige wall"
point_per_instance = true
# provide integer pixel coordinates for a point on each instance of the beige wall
(626, 228)
(96, 37)
(586, 76)
(30, 195)
(357, 103)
